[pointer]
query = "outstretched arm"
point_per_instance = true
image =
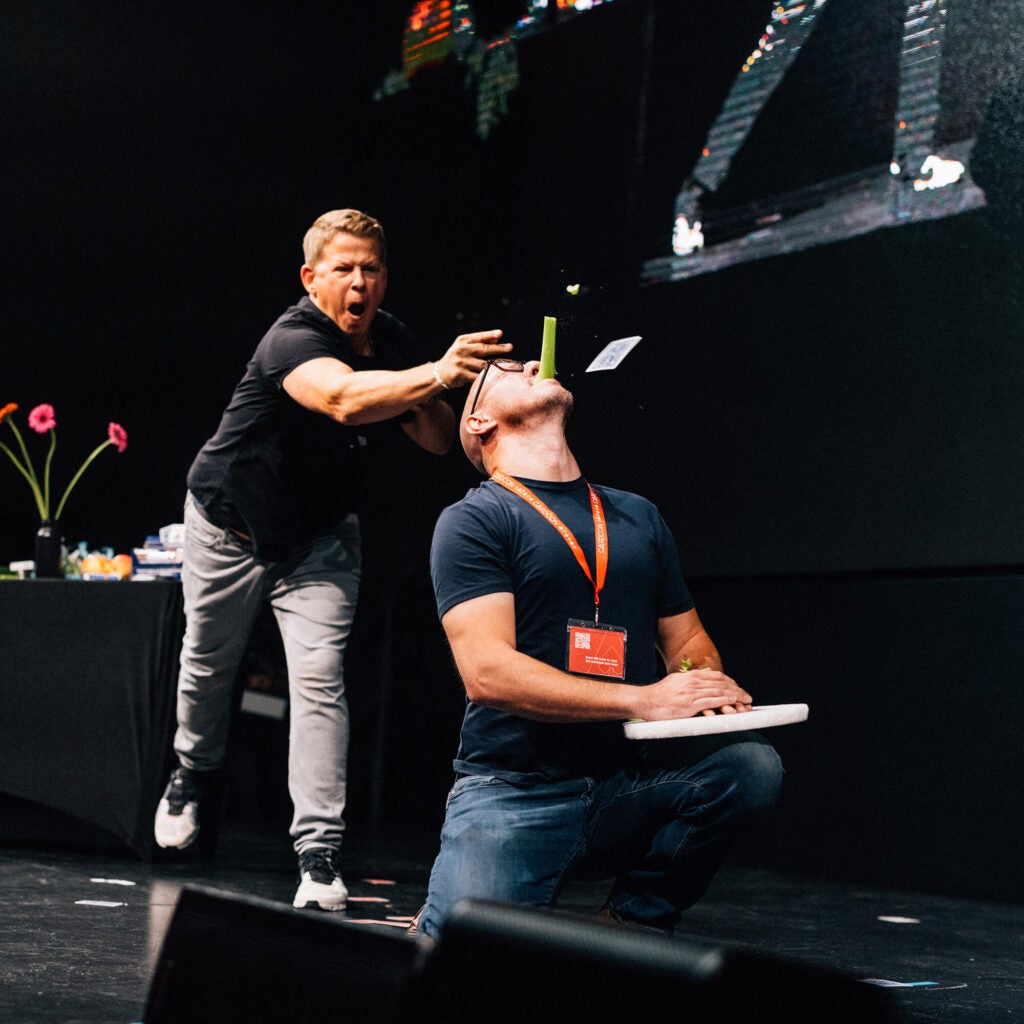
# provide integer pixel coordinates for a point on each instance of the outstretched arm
(353, 397)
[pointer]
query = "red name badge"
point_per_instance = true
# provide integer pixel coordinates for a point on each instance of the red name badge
(596, 650)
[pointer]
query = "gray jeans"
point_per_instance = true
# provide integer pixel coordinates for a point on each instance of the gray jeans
(313, 598)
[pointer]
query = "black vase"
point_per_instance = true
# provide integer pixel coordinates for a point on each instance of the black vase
(48, 551)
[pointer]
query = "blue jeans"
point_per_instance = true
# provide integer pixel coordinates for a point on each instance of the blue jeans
(659, 828)
(313, 597)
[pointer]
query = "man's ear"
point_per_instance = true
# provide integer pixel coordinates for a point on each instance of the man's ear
(306, 274)
(480, 425)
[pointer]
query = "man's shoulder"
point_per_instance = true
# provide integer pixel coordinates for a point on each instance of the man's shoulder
(481, 511)
(481, 498)
(300, 328)
(301, 317)
(623, 499)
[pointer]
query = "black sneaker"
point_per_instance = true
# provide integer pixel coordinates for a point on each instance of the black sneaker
(320, 885)
(611, 918)
(177, 816)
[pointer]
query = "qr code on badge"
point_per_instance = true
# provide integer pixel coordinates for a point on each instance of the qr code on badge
(582, 641)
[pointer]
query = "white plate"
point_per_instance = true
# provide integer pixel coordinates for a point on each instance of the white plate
(756, 718)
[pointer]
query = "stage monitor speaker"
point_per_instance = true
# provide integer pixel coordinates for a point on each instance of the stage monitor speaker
(503, 964)
(229, 958)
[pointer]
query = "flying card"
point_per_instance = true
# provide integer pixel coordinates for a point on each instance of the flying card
(612, 354)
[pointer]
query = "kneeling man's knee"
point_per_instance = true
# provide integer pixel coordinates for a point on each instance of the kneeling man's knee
(759, 774)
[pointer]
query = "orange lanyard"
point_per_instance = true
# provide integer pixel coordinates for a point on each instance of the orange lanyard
(600, 531)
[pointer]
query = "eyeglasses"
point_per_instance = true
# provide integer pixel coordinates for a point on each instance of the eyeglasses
(506, 365)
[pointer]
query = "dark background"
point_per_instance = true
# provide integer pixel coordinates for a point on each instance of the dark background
(833, 435)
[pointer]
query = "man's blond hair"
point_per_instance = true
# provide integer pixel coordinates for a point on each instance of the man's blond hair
(335, 222)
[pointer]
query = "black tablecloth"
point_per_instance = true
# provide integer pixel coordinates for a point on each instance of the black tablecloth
(88, 672)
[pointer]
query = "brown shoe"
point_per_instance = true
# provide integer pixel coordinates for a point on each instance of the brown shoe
(414, 926)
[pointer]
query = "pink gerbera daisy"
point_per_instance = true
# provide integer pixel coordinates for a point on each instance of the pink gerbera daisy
(40, 419)
(118, 436)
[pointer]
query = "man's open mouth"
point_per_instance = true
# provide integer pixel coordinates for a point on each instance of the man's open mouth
(357, 309)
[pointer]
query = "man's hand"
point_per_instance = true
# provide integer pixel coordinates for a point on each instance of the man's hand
(700, 691)
(468, 355)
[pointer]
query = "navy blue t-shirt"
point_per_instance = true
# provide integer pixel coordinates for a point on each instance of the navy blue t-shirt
(277, 471)
(495, 542)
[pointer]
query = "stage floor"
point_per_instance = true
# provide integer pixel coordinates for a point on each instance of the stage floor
(82, 923)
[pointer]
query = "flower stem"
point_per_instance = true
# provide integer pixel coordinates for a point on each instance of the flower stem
(30, 478)
(27, 464)
(46, 468)
(78, 475)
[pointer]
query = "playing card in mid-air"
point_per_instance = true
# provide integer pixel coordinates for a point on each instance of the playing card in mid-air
(613, 353)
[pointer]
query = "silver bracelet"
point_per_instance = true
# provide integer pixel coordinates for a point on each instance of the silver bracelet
(440, 380)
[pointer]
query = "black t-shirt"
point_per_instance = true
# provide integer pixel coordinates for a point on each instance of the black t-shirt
(273, 469)
(495, 542)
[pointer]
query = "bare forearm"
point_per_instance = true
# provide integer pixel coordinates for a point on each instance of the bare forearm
(354, 397)
(523, 686)
(496, 674)
(698, 652)
(373, 395)
(531, 689)
(370, 396)
(684, 643)
(432, 426)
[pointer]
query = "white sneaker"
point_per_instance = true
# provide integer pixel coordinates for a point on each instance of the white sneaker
(320, 885)
(177, 815)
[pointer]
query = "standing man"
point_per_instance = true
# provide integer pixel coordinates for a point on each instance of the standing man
(557, 598)
(270, 516)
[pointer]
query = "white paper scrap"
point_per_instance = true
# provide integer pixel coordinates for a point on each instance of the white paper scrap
(886, 983)
(613, 353)
(98, 903)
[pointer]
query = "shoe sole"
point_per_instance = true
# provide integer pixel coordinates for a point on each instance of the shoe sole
(316, 905)
(178, 846)
(173, 846)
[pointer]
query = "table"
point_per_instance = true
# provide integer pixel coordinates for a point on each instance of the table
(88, 673)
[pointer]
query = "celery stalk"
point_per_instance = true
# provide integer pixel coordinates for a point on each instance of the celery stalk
(547, 352)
